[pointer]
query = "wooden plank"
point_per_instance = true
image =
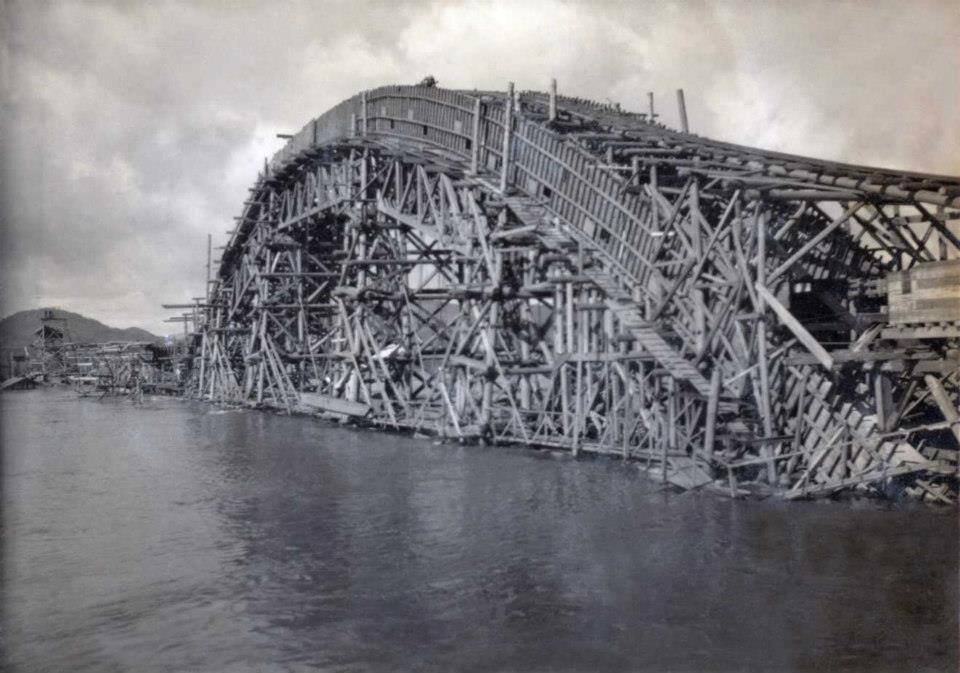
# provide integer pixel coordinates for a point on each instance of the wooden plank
(926, 293)
(946, 405)
(803, 336)
(813, 242)
(334, 404)
(712, 404)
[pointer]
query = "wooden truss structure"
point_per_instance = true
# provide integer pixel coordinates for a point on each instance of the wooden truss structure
(531, 269)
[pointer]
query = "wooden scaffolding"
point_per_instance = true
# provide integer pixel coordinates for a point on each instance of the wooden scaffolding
(527, 268)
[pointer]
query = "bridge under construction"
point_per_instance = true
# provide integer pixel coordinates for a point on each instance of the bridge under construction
(524, 268)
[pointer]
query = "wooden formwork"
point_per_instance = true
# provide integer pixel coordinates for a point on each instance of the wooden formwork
(521, 268)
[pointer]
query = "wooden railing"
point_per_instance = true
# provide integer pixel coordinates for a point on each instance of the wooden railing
(543, 164)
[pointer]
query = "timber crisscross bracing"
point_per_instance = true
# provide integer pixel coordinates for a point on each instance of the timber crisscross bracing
(523, 268)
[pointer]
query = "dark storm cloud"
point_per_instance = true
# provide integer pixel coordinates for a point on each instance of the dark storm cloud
(131, 130)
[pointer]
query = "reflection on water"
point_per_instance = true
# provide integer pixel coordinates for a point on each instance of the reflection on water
(174, 536)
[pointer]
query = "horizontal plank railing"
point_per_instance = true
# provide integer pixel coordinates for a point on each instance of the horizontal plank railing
(543, 163)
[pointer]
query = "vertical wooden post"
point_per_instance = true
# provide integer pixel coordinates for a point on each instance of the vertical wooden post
(525, 314)
(475, 144)
(762, 364)
(507, 132)
(353, 383)
(362, 192)
(302, 342)
(581, 395)
(883, 401)
(203, 364)
(209, 261)
(942, 250)
(671, 439)
(489, 338)
(845, 453)
(571, 349)
(696, 238)
(559, 346)
(712, 403)
(353, 124)
(682, 106)
(552, 110)
(363, 113)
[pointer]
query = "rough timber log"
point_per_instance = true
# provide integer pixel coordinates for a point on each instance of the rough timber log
(550, 271)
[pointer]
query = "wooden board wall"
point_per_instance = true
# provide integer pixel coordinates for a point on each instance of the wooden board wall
(927, 293)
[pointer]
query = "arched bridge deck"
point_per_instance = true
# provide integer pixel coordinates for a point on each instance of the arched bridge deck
(525, 268)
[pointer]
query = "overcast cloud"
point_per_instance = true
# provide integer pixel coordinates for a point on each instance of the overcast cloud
(131, 130)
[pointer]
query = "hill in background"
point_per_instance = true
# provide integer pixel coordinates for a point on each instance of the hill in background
(17, 330)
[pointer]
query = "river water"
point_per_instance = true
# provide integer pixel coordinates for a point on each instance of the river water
(173, 536)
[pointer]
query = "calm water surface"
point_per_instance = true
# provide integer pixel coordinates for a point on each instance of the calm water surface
(174, 536)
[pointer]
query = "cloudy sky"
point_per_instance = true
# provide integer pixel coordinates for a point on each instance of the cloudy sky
(132, 129)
